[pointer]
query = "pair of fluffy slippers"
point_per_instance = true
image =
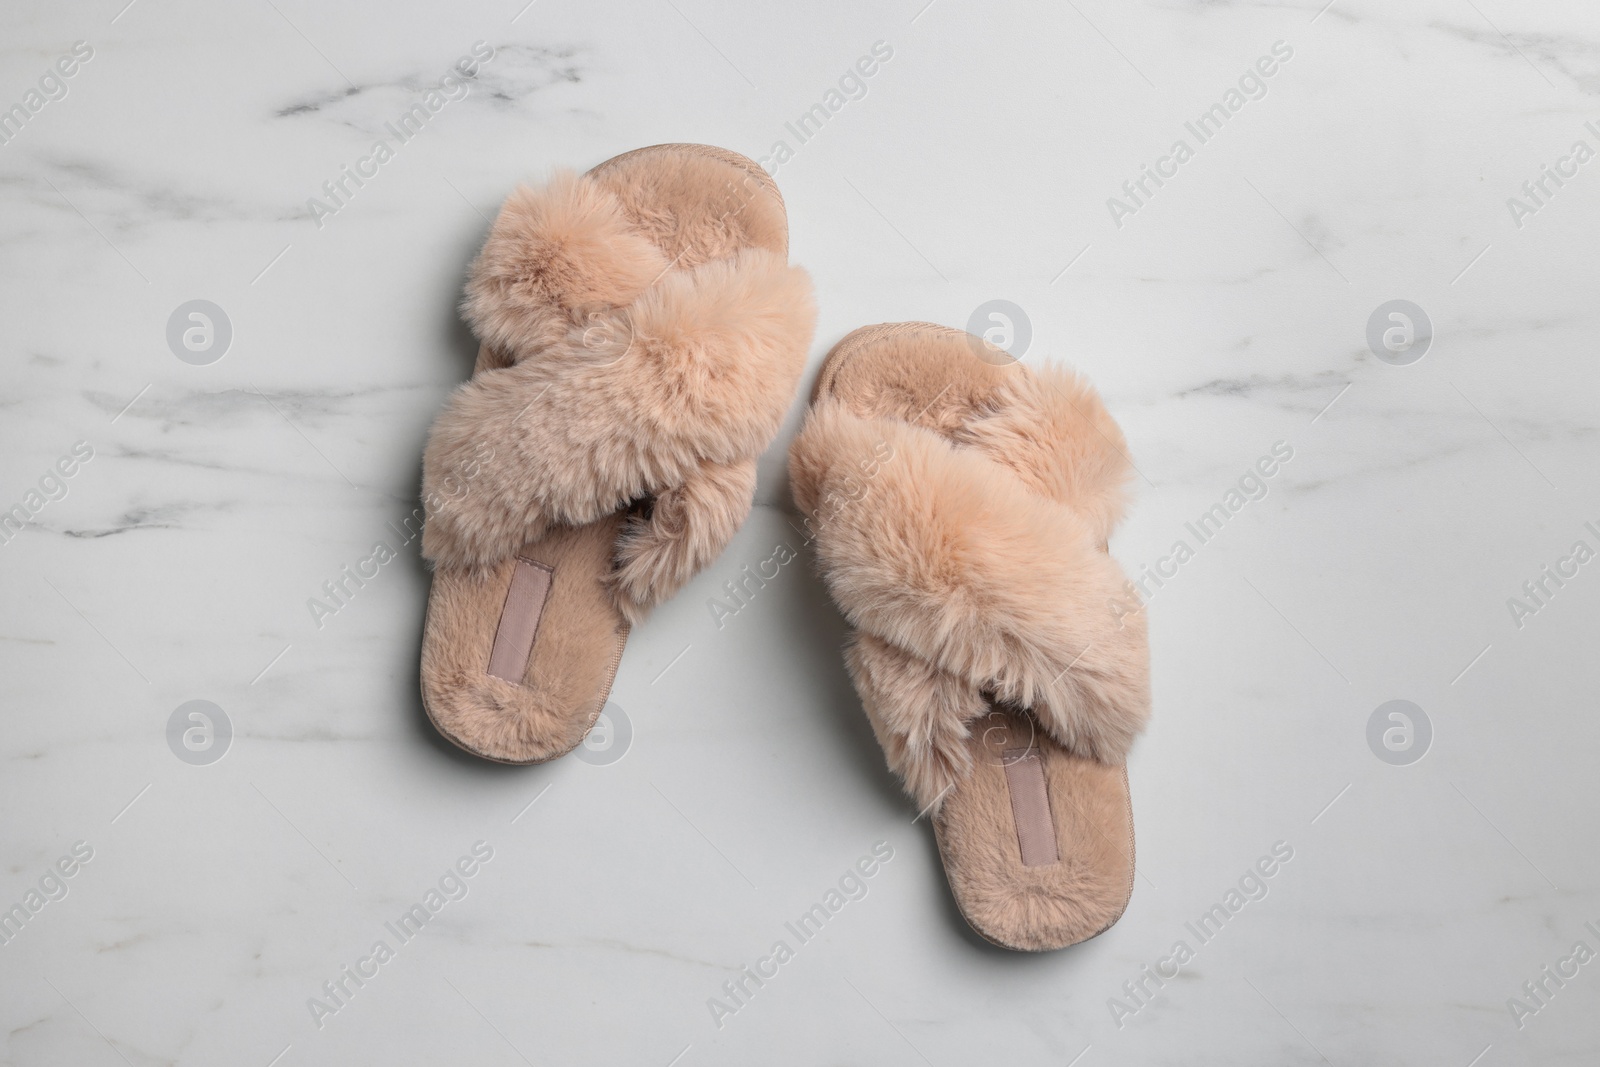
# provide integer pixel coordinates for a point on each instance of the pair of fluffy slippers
(642, 337)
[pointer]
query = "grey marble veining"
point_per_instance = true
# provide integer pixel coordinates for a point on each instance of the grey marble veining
(1404, 552)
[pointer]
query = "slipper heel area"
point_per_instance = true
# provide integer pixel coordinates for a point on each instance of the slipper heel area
(517, 661)
(1015, 889)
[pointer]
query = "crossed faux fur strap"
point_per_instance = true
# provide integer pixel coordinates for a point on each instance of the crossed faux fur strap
(967, 584)
(629, 380)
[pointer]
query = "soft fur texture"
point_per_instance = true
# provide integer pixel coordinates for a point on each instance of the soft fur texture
(569, 670)
(698, 204)
(960, 510)
(919, 713)
(1051, 429)
(555, 256)
(1046, 907)
(623, 378)
(971, 559)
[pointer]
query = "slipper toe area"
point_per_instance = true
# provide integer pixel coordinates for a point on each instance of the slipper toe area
(1050, 906)
(720, 202)
(569, 669)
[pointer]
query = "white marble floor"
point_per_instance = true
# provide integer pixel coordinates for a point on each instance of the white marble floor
(182, 509)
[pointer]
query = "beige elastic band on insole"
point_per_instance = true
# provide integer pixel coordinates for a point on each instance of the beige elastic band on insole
(519, 619)
(1030, 807)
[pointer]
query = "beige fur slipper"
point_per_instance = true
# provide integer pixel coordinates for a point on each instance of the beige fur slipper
(642, 336)
(960, 505)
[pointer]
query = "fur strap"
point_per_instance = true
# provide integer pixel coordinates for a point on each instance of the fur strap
(628, 381)
(968, 583)
(1050, 427)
